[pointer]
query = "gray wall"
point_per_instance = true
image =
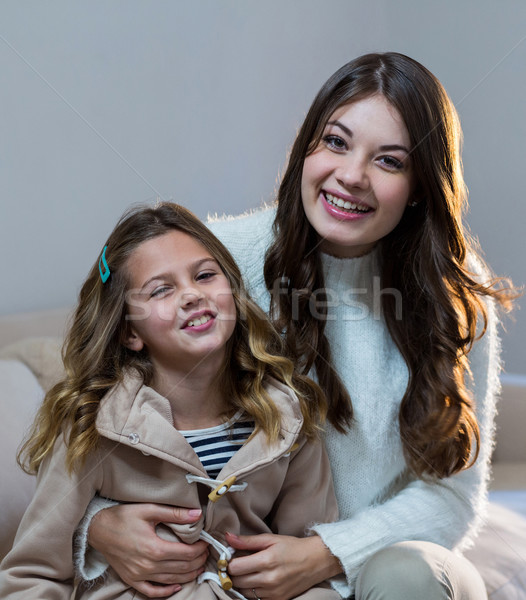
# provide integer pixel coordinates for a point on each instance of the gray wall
(105, 104)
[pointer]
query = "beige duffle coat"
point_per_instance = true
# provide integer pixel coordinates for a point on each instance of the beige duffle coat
(141, 457)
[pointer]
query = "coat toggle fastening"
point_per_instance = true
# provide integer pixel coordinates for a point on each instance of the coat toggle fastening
(225, 552)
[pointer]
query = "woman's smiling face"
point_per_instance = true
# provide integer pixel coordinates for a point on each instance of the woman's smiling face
(357, 183)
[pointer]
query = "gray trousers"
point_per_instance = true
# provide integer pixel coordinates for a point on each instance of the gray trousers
(419, 571)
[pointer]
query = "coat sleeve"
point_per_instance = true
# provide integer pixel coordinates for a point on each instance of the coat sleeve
(40, 564)
(307, 495)
(449, 511)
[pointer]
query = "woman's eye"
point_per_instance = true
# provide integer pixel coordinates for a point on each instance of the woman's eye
(335, 142)
(392, 163)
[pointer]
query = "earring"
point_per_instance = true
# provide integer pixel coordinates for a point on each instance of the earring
(413, 204)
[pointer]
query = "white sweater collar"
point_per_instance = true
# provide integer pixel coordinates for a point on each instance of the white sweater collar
(357, 271)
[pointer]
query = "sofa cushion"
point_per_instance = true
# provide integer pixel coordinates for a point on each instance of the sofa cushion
(41, 354)
(499, 554)
(511, 441)
(20, 397)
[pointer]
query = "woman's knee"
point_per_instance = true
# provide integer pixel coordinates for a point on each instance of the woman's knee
(416, 570)
(399, 571)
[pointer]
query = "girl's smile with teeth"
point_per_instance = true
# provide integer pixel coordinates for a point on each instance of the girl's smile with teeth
(199, 321)
(182, 309)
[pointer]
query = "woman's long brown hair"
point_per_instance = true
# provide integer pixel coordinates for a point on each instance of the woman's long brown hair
(96, 359)
(427, 258)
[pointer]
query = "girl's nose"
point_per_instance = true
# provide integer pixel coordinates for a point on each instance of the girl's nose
(191, 296)
(352, 173)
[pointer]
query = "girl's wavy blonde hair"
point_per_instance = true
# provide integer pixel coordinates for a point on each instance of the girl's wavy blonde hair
(95, 358)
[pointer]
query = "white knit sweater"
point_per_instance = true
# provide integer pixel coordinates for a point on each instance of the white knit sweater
(380, 504)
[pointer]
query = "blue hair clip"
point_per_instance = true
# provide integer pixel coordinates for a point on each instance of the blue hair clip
(106, 273)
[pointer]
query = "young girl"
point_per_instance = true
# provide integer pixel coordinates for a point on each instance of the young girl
(365, 266)
(174, 391)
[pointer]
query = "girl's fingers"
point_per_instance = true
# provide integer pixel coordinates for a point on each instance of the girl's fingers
(180, 556)
(156, 591)
(161, 513)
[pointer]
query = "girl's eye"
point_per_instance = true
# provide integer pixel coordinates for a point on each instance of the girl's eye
(335, 142)
(160, 291)
(205, 275)
(391, 163)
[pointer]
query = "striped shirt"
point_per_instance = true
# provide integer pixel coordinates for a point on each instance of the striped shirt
(215, 446)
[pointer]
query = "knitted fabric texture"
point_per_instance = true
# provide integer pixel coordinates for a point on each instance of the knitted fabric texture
(380, 503)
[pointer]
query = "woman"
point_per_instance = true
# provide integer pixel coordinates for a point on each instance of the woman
(365, 267)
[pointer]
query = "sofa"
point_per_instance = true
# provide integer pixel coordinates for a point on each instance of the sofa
(30, 363)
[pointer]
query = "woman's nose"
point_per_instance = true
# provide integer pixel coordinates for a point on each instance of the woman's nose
(352, 172)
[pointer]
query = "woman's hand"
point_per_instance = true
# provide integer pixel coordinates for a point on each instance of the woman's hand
(281, 567)
(125, 535)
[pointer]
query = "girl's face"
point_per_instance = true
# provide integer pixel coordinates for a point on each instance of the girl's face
(180, 304)
(357, 183)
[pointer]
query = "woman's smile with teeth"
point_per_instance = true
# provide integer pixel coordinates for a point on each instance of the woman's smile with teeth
(345, 204)
(199, 321)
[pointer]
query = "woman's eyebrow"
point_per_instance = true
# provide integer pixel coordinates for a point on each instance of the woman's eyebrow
(385, 148)
(341, 126)
(391, 147)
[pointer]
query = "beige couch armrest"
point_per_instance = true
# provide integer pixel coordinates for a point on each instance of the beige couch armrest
(20, 397)
(46, 323)
(509, 458)
(41, 355)
(511, 421)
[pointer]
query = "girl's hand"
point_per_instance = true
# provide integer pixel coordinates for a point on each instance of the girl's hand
(281, 567)
(125, 535)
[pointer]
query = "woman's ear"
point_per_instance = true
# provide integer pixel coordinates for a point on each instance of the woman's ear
(416, 196)
(132, 340)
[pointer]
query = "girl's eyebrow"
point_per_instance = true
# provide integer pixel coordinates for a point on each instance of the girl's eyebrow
(201, 261)
(386, 148)
(194, 265)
